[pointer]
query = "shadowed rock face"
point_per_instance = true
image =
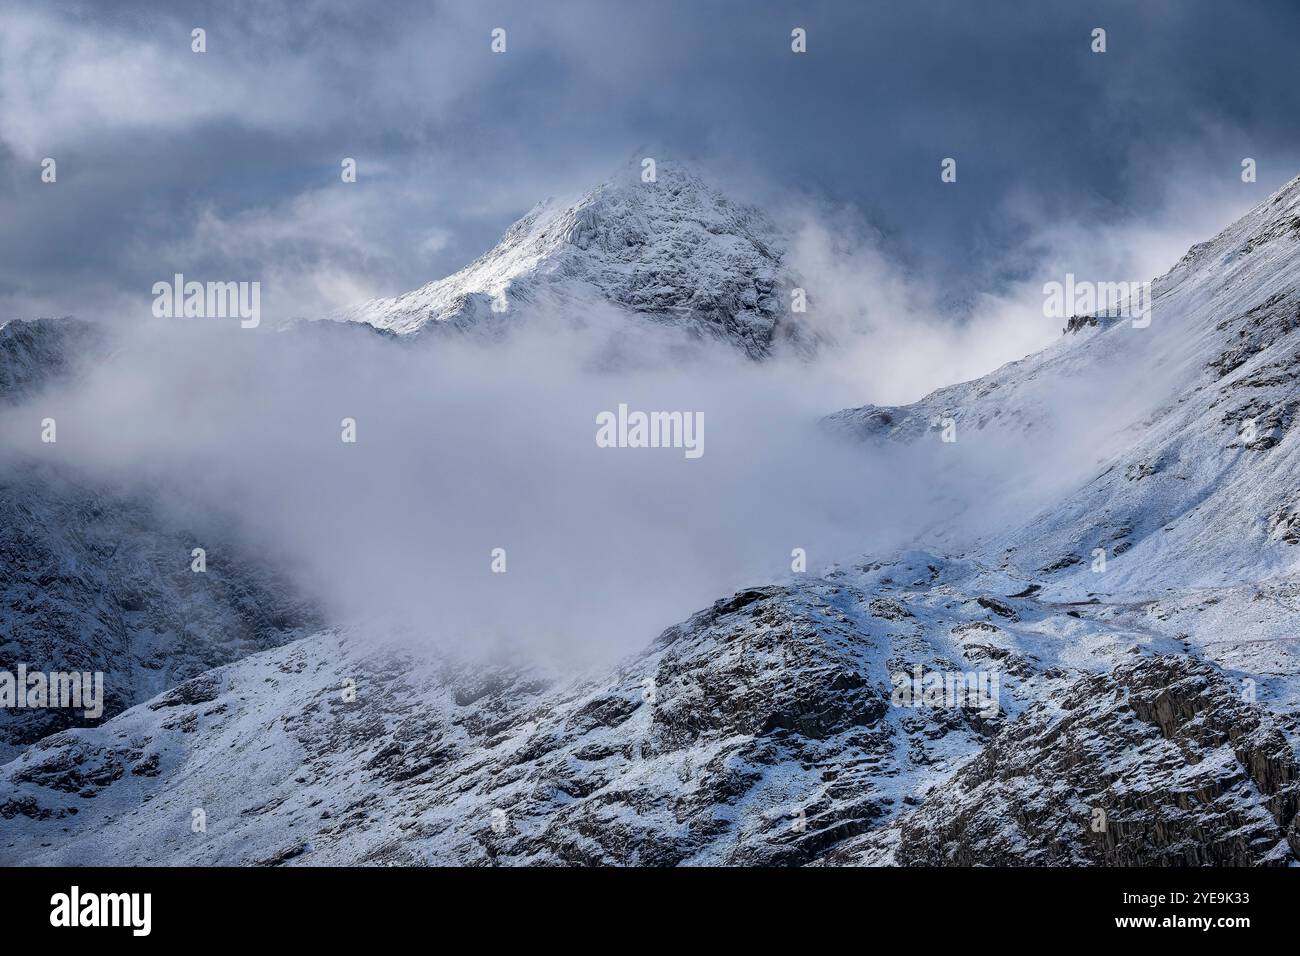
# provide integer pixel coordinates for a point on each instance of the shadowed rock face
(36, 353)
(98, 580)
(1159, 763)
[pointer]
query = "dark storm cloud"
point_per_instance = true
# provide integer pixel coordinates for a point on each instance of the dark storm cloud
(227, 162)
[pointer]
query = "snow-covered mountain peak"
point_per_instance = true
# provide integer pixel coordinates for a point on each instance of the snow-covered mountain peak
(671, 247)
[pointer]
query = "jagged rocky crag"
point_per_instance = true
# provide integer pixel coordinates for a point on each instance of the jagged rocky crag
(1160, 762)
(675, 251)
(1146, 713)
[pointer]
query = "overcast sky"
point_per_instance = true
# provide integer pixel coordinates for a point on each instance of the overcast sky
(225, 164)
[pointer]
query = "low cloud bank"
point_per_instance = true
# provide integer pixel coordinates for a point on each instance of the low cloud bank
(464, 447)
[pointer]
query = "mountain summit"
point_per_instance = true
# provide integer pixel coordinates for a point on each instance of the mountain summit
(674, 250)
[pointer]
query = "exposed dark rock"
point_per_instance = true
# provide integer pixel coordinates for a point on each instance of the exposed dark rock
(1160, 762)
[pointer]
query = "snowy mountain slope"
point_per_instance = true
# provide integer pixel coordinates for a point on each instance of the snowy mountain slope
(760, 731)
(675, 251)
(1195, 480)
